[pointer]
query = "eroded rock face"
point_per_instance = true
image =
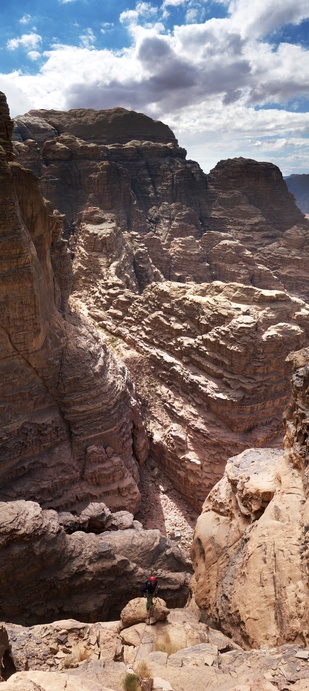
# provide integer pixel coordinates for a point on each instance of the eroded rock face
(209, 362)
(250, 549)
(48, 574)
(180, 653)
(238, 223)
(192, 279)
(71, 429)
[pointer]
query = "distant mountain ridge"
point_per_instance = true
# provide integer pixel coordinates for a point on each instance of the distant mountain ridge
(299, 186)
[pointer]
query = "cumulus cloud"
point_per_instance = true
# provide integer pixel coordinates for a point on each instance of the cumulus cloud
(17, 99)
(33, 55)
(209, 80)
(25, 41)
(257, 19)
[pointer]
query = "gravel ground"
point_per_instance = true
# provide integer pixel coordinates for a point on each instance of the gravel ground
(162, 507)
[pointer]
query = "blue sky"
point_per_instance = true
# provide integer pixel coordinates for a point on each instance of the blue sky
(231, 77)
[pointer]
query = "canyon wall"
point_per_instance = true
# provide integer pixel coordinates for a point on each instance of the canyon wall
(298, 185)
(199, 283)
(71, 430)
(251, 551)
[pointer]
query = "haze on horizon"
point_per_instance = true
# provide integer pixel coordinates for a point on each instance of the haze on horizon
(231, 78)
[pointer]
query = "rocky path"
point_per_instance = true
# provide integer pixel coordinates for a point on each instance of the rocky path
(162, 507)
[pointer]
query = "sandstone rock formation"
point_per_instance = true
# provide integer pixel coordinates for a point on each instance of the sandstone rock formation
(250, 552)
(182, 653)
(126, 173)
(209, 361)
(71, 429)
(135, 612)
(194, 280)
(48, 574)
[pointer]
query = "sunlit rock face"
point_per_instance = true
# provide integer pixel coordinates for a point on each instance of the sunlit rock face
(239, 223)
(198, 282)
(250, 550)
(210, 361)
(251, 202)
(62, 391)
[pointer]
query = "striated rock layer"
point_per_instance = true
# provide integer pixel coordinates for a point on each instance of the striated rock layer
(210, 365)
(71, 429)
(250, 551)
(158, 212)
(198, 282)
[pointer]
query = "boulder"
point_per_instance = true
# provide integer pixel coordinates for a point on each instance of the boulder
(250, 553)
(135, 611)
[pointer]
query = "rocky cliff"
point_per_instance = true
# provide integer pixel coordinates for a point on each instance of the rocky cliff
(177, 221)
(71, 430)
(199, 283)
(298, 185)
(61, 565)
(155, 294)
(250, 552)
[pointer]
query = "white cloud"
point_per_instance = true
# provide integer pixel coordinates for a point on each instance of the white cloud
(106, 27)
(17, 99)
(87, 39)
(146, 9)
(173, 3)
(128, 16)
(25, 19)
(33, 55)
(205, 80)
(192, 15)
(144, 12)
(257, 19)
(25, 41)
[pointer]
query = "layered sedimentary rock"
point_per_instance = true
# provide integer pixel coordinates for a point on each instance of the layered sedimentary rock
(250, 552)
(47, 574)
(71, 429)
(132, 168)
(209, 362)
(198, 282)
(250, 201)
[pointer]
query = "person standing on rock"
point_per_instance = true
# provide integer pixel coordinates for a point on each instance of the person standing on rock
(149, 591)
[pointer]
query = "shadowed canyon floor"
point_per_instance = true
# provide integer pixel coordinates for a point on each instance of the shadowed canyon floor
(163, 507)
